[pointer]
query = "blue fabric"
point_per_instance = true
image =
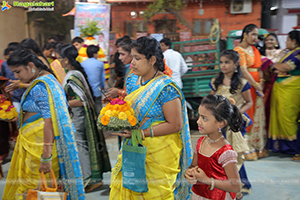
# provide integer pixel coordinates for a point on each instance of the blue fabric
(69, 165)
(7, 73)
(246, 87)
(32, 119)
(211, 87)
(37, 101)
(94, 69)
(182, 188)
(244, 177)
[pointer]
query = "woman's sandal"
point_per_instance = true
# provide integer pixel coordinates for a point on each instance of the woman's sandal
(251, 156)
(239, 196)
(296, 158)
(262, 154)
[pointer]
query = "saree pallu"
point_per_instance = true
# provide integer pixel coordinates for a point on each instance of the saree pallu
(284, 129)
(65, 145)
(93, 153)
(58, 70)
(24, 167)
(167, 156)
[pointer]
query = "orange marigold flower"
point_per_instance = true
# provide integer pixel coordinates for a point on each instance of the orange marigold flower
(105, 120)
(132, 120)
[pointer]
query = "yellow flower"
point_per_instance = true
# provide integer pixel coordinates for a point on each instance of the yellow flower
(128, 113)
(108, 113)
(122, 116)
(9, 115)
(132, 111)
(132, 120)
(115, 113)
(117, 107)
(104, 120)
(4, 107)
(2, 112)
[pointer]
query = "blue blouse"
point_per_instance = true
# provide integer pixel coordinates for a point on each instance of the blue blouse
(167, 94)
(37, 101)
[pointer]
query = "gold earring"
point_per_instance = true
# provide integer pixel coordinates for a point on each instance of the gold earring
(276, 45)
(67, 62)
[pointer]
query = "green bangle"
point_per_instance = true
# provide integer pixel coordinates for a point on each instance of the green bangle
(46, 160)
(151, 132)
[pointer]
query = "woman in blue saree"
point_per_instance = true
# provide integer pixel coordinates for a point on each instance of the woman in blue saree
(46, 136)
(284, 129)
(160, 106)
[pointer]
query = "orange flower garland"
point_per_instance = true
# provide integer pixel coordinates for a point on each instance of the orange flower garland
(7, 111)
(117, 115)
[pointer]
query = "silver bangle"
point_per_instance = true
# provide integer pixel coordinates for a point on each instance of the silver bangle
(212, 184)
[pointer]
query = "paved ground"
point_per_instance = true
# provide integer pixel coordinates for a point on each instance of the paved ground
(275, 177)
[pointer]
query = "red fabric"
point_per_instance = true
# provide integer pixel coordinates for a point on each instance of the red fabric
(255, 75)
(212, 169)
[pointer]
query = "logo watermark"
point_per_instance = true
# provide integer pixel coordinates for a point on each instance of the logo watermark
(32, 6)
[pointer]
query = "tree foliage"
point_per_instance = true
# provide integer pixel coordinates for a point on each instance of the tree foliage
(52, 23)
(171, 6)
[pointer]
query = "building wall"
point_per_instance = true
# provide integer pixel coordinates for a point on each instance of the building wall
(13, 27)
(214, 9)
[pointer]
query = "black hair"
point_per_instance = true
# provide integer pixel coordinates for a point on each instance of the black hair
(77, 39)
(263, 49)
(23, 57)
(237, 75)
(54, 38)
(149, 47)
(57, 47)
(8, 50)
(122, 38)
(91, 50)
(167, 42)
(30, 44)
(295, 35)
(48, 46)
(70, 52)
(14, 45)
(247, 29)
(223, 110)
(125, 44)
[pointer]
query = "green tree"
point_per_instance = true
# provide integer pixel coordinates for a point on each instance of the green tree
(52, 23)
(171, 6)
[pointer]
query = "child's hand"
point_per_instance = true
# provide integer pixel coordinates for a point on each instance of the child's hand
(199, 174)
(188, 174)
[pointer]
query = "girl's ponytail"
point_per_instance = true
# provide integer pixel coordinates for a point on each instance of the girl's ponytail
(236, 120)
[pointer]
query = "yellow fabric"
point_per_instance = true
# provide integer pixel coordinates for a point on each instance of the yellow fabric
(24, 168)
(58, 71)
(162, 166)
(285, 103)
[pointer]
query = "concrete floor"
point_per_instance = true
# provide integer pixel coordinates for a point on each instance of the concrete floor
(275, 177)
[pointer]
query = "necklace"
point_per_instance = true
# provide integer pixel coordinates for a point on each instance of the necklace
(142, 84)
(212, 141)
(227, 77)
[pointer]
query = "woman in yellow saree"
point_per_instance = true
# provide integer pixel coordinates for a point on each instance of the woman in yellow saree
(284, 129)
(160, 107)
(46, 139)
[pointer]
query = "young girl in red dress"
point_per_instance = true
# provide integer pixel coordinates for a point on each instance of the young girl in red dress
(213, 172)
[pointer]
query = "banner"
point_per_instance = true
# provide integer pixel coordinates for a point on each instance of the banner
(87, 12)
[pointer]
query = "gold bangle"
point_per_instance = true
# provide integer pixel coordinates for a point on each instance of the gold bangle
(256, 84)
(262, 80)
(48, 144)
(142, 134)
(21, 85)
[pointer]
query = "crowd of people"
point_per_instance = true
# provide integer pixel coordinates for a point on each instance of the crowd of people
(254, 107)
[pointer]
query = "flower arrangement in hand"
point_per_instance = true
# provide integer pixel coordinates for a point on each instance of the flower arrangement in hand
(7, 111)
(117, 115)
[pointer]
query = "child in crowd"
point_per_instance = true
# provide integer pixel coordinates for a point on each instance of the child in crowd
(230, 84)
(213, 171)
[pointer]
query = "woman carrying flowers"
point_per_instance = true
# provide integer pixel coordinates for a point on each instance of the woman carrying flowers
(160, 108)
(46, 136)
(92, 150)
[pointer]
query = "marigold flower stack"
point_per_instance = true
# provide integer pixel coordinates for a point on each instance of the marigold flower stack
(7, 110)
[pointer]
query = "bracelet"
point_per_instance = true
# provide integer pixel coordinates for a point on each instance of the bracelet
(142, 134)
(256, 84)
(21, 85)
(46, 160)
(48, 144)
(151, 132)
(262, 80)
(212, 184)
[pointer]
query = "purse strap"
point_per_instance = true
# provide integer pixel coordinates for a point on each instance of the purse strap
(44, 186)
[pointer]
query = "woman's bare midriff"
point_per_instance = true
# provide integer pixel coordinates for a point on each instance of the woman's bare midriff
(27, 115)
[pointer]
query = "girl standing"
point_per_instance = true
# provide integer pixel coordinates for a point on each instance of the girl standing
(250, 61)
(230, 84)
(213, 172)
